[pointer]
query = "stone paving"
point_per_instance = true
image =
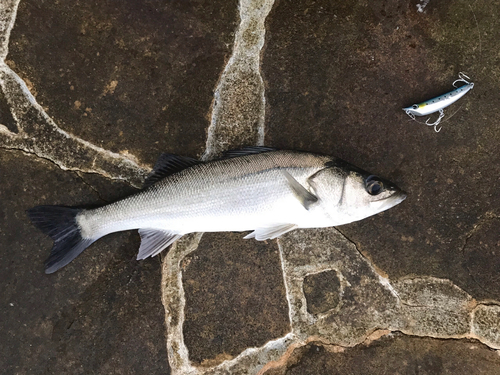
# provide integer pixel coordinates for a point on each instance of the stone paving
(92, 92)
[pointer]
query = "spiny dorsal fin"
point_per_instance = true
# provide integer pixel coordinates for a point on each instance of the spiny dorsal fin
(168, 164)
(251, 150)
(304, 196)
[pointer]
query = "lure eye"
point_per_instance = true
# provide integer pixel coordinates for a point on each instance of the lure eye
(373, 185)
(414, 106)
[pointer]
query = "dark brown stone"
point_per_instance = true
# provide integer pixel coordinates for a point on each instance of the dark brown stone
(235, 297)
(100, 314)
(337, 75)
(126, 75)
(322, 291)
(396, 354)
(482, 256)
(6, 118)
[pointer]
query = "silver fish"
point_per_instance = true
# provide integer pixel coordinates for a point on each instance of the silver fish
(260, 189)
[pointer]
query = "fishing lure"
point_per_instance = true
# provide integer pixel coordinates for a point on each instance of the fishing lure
(438, 103)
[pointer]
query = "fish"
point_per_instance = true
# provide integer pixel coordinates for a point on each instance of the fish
(259, 189)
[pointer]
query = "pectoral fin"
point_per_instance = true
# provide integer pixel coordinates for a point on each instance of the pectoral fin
(154, 241)
(266, 233)
(302, 194)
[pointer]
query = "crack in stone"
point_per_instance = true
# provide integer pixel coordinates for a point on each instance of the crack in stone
(384, 278)
(55, 162)
(79, 175)
(76, 172)
(483, 220)
(281, 365)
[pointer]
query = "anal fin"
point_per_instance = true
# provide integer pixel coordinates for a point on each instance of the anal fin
(154, 241)
(269, 233)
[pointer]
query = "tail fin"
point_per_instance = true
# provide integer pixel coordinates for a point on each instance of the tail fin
(60, 224)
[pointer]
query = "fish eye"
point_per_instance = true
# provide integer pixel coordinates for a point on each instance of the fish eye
(373, 185)
(414, 106)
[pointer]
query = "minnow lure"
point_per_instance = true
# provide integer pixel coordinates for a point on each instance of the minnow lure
(438, 103)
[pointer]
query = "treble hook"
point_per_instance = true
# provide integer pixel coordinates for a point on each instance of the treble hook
(436, 123)
(438, 103)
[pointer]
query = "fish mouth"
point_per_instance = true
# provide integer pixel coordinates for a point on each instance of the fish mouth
(385, 204)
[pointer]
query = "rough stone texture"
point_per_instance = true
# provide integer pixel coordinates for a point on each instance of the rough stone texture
(101, 315)
(7, 119)
(134, 76)
(322, 291)
(365, 302)
(394, 354)
(485, 323)
(338, 73)
(482, 256)
(239, 105)
(237, 120)
(234, 299)
(36, 133)
(434, 307)
(107, 86)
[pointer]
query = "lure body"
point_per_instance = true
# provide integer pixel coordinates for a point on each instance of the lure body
(439, 102)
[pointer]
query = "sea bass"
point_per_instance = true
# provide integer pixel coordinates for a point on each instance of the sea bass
(258, 189)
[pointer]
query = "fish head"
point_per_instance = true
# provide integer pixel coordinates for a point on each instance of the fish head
(350, 194)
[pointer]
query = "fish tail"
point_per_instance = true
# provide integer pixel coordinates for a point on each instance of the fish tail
(61, 225)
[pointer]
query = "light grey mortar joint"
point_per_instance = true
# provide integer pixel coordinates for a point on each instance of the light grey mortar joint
(34, 153)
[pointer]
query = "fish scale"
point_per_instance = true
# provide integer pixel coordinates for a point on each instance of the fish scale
(265, 191)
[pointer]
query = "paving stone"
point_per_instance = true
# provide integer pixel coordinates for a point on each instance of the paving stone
(100, 314)
(337, 75)
(127, 76)
(396, 354)
(235, 297)
(141, 78)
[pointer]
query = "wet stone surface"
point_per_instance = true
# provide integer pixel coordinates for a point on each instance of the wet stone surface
(322, 291)
(235, 297)
(126, 75)
(396, 354)
(140, 78)
(100, 314)
(482, 256)
(337, 75)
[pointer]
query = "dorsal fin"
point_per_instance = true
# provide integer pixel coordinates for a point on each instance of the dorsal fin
(251, 150)
(168, 164)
